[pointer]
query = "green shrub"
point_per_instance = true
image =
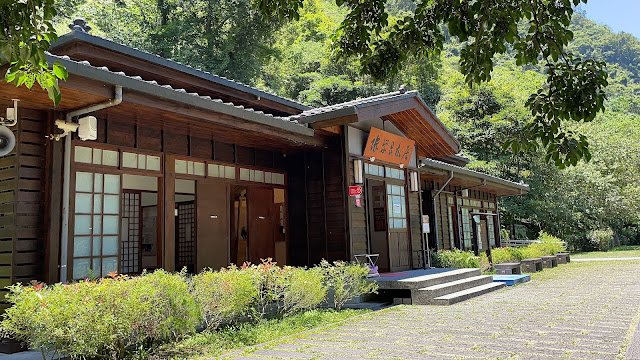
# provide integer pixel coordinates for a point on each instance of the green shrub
(506, 255)
(303, 289)
(224, 296)
(107, 318)
(455, 259)
(601, 239)
(485, 264)
(348, 280)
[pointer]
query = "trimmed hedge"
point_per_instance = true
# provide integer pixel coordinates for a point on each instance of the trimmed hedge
(548, 245)
(119, 316)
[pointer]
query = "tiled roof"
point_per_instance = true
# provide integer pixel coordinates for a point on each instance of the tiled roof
(99, 41)
(225, 107)
(450, 167)
(311, 115)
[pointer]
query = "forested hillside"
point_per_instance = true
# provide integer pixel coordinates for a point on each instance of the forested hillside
(295, 60)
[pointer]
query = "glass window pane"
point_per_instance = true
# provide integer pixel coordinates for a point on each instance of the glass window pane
(142, 161)
(111, 184)
(280, 179)
(110, 225)
(82, 225)
(109, 264)
(153, 163)
(111, 204)
(81, 246)
(198, 169)
(97, 182)
(81, 268)
(96, 246)
(244, 174)
(267, 177)
(97, 156)
(230, 172)
(84, 181)
(109, 158)
(213, 170)
(97, 204)
(97, 224)
(109, 245)
(397, 223)
(190, 167)
(82, 154)
(83, 203)
(259, 176)
(181, 166)
(96, 267)
(129, 160)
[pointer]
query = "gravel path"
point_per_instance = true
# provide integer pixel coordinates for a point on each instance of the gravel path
(585, 310)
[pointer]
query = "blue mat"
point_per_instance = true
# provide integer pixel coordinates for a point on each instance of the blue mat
(511, 280)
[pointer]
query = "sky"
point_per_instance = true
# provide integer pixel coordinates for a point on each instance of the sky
(619, 15)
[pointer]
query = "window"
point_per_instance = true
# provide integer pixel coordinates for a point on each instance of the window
(466, 228)
(96, 224)
(375, 170)
(140, 161)
(261, 176)
(395, 173)
(92, 156)
(451, 233)
(190, 167)
(396, 207)
(221, 171)
(491, 230)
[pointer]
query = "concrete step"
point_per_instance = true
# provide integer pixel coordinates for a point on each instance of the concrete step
(426, 295)
(463, 295)
(423, 281)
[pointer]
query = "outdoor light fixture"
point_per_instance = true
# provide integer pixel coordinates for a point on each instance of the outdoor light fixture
(358, 171)
(414, 184)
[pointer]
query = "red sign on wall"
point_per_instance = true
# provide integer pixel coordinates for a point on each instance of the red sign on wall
(389, 147)
(355, 190)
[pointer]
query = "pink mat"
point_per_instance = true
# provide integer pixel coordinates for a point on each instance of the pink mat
(394, 274)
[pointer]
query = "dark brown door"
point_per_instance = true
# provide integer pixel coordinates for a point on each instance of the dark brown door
(261, 240)
(213, 224)
(399, 248)
(377, 212)
(185, 235)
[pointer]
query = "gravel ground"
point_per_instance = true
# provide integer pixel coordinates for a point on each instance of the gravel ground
(586, 310)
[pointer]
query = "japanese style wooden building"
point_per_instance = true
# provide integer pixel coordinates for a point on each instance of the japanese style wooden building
(194, 170)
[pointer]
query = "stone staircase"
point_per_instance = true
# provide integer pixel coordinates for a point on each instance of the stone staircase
(446, 287)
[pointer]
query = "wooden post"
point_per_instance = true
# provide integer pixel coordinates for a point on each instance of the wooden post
(169, 244)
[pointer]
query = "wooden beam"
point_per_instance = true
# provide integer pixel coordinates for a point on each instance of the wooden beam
(329, 123)
(169, 244)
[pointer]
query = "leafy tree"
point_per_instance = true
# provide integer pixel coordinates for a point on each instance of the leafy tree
(574, 88)
(27, 31)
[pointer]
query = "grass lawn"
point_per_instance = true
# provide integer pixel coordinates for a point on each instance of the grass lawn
(617, 252)
(209, 344)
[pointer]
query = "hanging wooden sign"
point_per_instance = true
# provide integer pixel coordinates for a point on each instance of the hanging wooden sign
(389, 147)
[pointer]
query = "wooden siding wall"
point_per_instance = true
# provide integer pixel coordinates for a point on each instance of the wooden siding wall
(442, 214)
(178, 142)
(22, 189)
(415, 224)
(359, 230)
(317, 213)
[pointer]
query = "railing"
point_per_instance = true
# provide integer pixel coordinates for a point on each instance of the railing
(522, 243)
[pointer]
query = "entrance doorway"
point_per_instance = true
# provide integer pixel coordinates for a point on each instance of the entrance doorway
(239, 225)
(388, 231)
(261, 224)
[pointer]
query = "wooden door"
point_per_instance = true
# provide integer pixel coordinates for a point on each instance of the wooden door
(261, 223)
(185, 235)
(377, 213)
(399, 247)
(213, 224)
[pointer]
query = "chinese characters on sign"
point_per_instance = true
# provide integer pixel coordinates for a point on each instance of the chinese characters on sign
(389, 147)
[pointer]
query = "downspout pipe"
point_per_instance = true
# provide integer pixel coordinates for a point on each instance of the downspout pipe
(433, 201)
(66, 186)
